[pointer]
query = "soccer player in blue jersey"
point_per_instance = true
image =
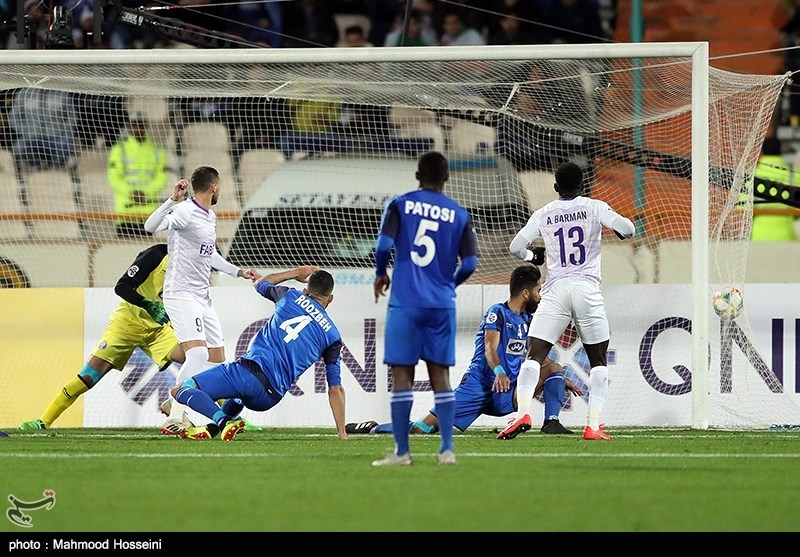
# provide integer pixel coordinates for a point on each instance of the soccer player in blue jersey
(489, 383)
(299, 333)
(435, 250)
(571, 228)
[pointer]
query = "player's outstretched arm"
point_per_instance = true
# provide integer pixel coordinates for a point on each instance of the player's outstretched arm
(249, 274)
(300, 274)
(221, 264)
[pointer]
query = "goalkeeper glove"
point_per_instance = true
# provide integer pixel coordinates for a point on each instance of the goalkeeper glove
(538, 256)
(156, 311)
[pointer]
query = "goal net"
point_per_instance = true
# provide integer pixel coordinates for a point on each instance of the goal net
(311, 143)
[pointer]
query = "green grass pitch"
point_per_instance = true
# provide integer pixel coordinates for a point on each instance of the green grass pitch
(307, 480)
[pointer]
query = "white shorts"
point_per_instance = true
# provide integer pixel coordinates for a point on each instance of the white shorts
(580, 301)
(195, 320)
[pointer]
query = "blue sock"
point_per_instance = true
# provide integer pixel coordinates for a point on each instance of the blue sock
(422, 426)
(197, 400)
(219, 418)
(232, 407)
(445, 404)
(553, 395)
(387, 428)
(401, 414)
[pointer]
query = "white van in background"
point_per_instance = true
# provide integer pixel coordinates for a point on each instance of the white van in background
(326, 211)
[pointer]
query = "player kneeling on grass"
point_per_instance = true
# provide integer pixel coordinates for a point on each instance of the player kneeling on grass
(138, 322)
(299, 333)
(490, 381)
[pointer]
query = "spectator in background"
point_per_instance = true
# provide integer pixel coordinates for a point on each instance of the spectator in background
(511, 30)
(137, 173)
(418, 33)
(527, 10)
(430, 12)
(382, 15)
(36, 18)
(773, 227)
(84, 22)
(572, 21)
(354, 36)
(258, 22)
(309, 24)
(456, 32)
(44, 122)
(315, 116)
(608, 17)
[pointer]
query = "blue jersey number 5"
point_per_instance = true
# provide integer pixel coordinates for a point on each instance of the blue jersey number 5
(422, 240)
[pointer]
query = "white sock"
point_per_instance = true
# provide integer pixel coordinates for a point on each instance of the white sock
(598, 390)
(196, 360)
(526, 386)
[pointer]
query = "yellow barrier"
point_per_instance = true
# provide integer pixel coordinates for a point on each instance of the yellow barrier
(41, 347)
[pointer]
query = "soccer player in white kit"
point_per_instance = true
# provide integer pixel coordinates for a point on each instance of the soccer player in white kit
(191, 244)
(571, 228)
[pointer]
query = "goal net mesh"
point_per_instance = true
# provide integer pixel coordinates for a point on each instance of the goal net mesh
(309, 152)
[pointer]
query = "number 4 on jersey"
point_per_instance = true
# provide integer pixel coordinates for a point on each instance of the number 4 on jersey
(293, 327)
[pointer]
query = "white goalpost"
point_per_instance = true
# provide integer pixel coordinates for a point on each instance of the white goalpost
(311, 143)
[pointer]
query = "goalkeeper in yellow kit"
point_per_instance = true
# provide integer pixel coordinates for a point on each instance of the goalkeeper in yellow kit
(138, 322)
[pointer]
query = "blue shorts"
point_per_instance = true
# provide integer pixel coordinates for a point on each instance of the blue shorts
(233, 380)
(474, 398)
(414, 334)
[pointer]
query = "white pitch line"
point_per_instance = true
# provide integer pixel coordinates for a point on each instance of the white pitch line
(288, 434)
(468, 455)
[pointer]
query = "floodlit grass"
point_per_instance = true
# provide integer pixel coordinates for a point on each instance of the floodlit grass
(307, 480)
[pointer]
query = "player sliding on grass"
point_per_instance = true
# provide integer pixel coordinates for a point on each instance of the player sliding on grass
(299, 333)
(490, 381)
(138, 322)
